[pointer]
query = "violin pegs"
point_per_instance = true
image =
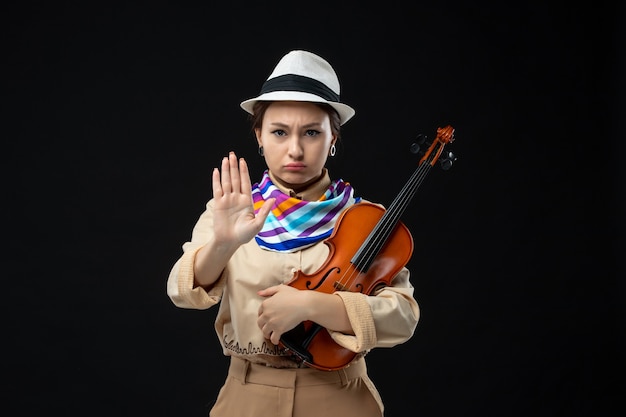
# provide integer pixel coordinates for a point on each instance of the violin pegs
(446, 160)
(446, 164)
(417, 145)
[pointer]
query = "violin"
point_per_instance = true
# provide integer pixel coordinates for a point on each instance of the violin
(368, 247)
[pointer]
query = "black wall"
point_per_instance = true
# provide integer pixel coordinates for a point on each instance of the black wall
(114, 116)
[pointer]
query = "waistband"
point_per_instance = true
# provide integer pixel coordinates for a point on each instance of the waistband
(254, 373)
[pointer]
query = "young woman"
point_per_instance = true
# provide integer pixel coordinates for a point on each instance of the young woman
(251, 240)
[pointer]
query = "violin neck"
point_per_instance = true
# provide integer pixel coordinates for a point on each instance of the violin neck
(366, 254)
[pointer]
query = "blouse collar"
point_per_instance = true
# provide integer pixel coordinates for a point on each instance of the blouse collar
(312, 193)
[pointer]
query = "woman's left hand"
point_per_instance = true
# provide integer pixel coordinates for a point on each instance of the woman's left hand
(282, 310)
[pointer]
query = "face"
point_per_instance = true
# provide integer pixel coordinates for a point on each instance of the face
(296, 138)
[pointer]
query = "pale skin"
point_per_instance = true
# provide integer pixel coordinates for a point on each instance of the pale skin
(296, 138)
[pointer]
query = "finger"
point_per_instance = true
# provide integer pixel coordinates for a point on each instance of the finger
(264, 211)
(267, 332)
(246, 184)
(217, 185)
(269, 291)
(234, 172)
(226, 184)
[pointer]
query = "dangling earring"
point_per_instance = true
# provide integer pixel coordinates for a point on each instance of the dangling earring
(333, 150)
(261, 152)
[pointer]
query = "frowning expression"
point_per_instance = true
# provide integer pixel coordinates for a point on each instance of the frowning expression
(296, 138)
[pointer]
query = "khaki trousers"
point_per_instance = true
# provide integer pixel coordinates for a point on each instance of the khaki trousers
(254, 390)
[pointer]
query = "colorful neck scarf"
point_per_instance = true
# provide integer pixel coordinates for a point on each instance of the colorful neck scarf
(295, 224)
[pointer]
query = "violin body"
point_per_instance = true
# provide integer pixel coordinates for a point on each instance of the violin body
(312, 343)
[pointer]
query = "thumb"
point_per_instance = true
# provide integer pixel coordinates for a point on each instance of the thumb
(265, 209)
(269, 291)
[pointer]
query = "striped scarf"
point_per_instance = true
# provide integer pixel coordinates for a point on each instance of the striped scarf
(294, 224)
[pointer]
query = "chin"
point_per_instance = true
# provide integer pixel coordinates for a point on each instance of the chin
(295, 180)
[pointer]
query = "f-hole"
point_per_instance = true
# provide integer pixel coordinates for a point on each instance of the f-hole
(321, 281)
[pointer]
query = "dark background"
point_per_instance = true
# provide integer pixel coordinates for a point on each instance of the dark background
(114, 116)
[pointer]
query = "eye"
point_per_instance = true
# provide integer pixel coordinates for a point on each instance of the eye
(279, 132)
(312, 132)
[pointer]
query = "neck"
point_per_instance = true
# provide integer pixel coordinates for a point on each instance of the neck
(310, 190)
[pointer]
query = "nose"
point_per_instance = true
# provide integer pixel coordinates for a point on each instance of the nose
(295, 147)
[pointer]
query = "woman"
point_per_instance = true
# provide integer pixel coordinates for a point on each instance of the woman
(253, 238)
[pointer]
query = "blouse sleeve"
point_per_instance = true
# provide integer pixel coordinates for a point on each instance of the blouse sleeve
(385, 319)
(181, 286)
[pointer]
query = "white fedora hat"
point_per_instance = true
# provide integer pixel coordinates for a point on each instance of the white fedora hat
(302, 76)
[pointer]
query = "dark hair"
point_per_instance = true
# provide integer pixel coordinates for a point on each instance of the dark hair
(258, 111)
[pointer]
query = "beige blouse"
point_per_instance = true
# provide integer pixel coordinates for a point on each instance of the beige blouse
(386, 319)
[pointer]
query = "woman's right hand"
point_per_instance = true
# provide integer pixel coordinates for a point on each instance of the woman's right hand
(233, 213)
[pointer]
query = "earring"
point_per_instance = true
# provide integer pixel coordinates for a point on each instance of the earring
(333, 150)
(261, 152)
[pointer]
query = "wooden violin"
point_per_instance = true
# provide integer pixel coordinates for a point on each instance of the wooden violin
(368, 247)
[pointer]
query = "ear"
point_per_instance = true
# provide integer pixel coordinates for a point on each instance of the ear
(257, 133)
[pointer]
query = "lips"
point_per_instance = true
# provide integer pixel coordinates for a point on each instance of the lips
(294, 166)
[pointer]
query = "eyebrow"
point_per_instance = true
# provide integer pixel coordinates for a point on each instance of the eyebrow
(306, 126)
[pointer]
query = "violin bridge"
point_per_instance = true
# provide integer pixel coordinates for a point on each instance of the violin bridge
(339, 286)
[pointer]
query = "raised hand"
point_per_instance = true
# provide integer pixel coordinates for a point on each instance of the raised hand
(234, 220)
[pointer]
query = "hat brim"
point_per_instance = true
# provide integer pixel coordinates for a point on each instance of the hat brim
(345, 112)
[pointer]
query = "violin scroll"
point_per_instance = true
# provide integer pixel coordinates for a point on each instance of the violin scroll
(445, 134)
(434, 153)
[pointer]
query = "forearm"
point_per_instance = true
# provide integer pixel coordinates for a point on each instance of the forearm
(328, 310)
(210, 261)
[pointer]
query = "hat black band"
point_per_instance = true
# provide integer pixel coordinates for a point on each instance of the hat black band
(293, 82)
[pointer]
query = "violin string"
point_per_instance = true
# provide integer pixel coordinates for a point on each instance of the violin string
(390, 219)
(397, 210)
(400, 204)
(372, 247)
